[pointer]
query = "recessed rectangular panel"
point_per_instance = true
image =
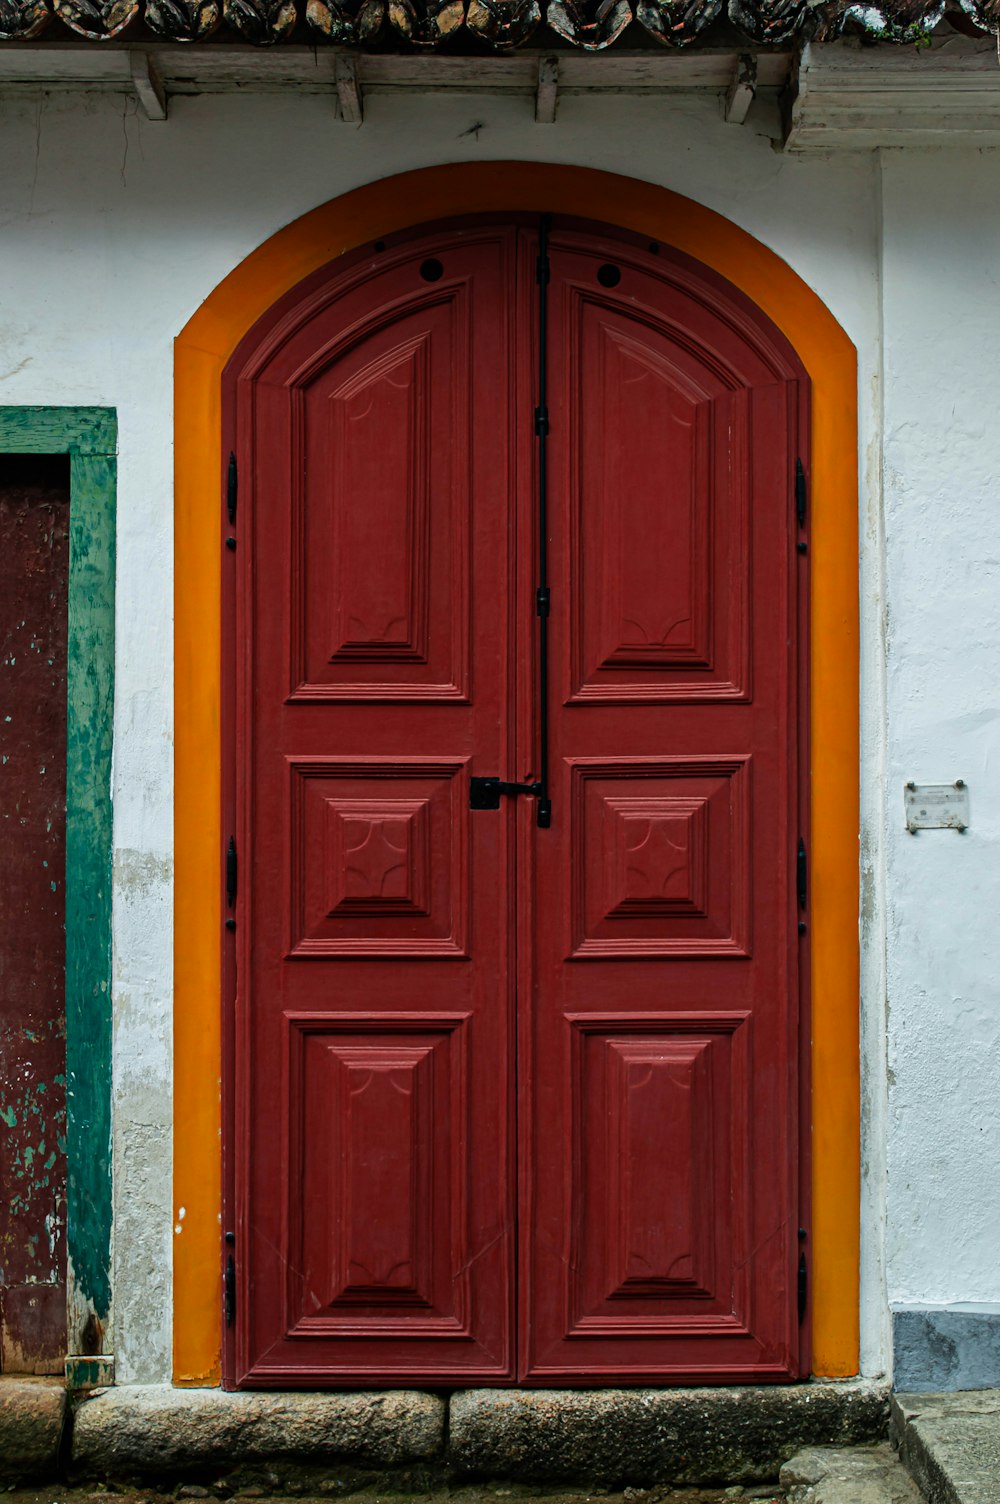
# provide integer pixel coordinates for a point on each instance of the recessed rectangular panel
(380, 511)
(652, 546)
(378, 859)
(380, 432)
(660, 1126)
(660, 857)
(381, 1241)
(375, 1221)
(658, 1171)
(659, 512)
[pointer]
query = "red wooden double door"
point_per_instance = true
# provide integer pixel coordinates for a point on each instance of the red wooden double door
(509, 1102)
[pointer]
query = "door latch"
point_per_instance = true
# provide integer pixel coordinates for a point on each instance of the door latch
(484, 793)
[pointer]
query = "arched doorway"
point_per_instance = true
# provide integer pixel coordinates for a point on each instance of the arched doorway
(201, 1042)
(518, 577)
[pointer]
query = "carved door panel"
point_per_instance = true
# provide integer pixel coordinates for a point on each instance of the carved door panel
(457, 1036)
(373, 1091)
(661, 1233)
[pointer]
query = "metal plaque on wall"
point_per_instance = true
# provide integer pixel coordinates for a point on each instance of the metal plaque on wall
(936, 806)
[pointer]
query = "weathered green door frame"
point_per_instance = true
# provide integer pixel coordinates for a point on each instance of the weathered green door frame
(89, 435)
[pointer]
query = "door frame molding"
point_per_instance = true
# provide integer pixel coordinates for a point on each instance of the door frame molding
(201, 352)
(89, 435)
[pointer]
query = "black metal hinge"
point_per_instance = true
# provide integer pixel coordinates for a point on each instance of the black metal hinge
(802, 874)
(231, 489)
(229, 1285)
(803, 1287)
(231, 872)
(800, 494)
(802, 881)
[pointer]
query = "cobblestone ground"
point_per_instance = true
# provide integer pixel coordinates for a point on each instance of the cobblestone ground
(479, 1494)
(848, 1475)
(816, 1475)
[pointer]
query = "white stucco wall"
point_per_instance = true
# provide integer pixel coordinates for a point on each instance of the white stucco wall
(941, 475)
(115, 229)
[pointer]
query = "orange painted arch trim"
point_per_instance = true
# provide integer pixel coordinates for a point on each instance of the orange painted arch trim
(201, 352)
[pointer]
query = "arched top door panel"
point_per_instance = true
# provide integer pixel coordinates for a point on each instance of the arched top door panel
(705, 312)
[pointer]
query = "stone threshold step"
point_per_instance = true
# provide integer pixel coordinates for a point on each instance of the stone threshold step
(604, 1437)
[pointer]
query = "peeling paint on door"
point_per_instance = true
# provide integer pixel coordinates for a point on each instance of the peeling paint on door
(34, 559)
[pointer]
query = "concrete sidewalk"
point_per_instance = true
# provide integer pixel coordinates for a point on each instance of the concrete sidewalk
(951, 1444)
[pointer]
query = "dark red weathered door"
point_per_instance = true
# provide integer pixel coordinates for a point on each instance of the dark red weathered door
(509, 1102)
(34, 571)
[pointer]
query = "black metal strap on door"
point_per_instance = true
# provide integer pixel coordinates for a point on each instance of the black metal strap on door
(542, 598)
(484, 793)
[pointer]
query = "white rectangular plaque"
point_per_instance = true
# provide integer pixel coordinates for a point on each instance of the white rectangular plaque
(936, 806)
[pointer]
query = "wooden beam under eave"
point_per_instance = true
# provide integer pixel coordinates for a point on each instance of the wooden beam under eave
(352, 107)
(547, 91)
(148, 86)
(742, 90)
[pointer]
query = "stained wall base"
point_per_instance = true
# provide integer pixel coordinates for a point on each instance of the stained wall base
(944, 1348)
